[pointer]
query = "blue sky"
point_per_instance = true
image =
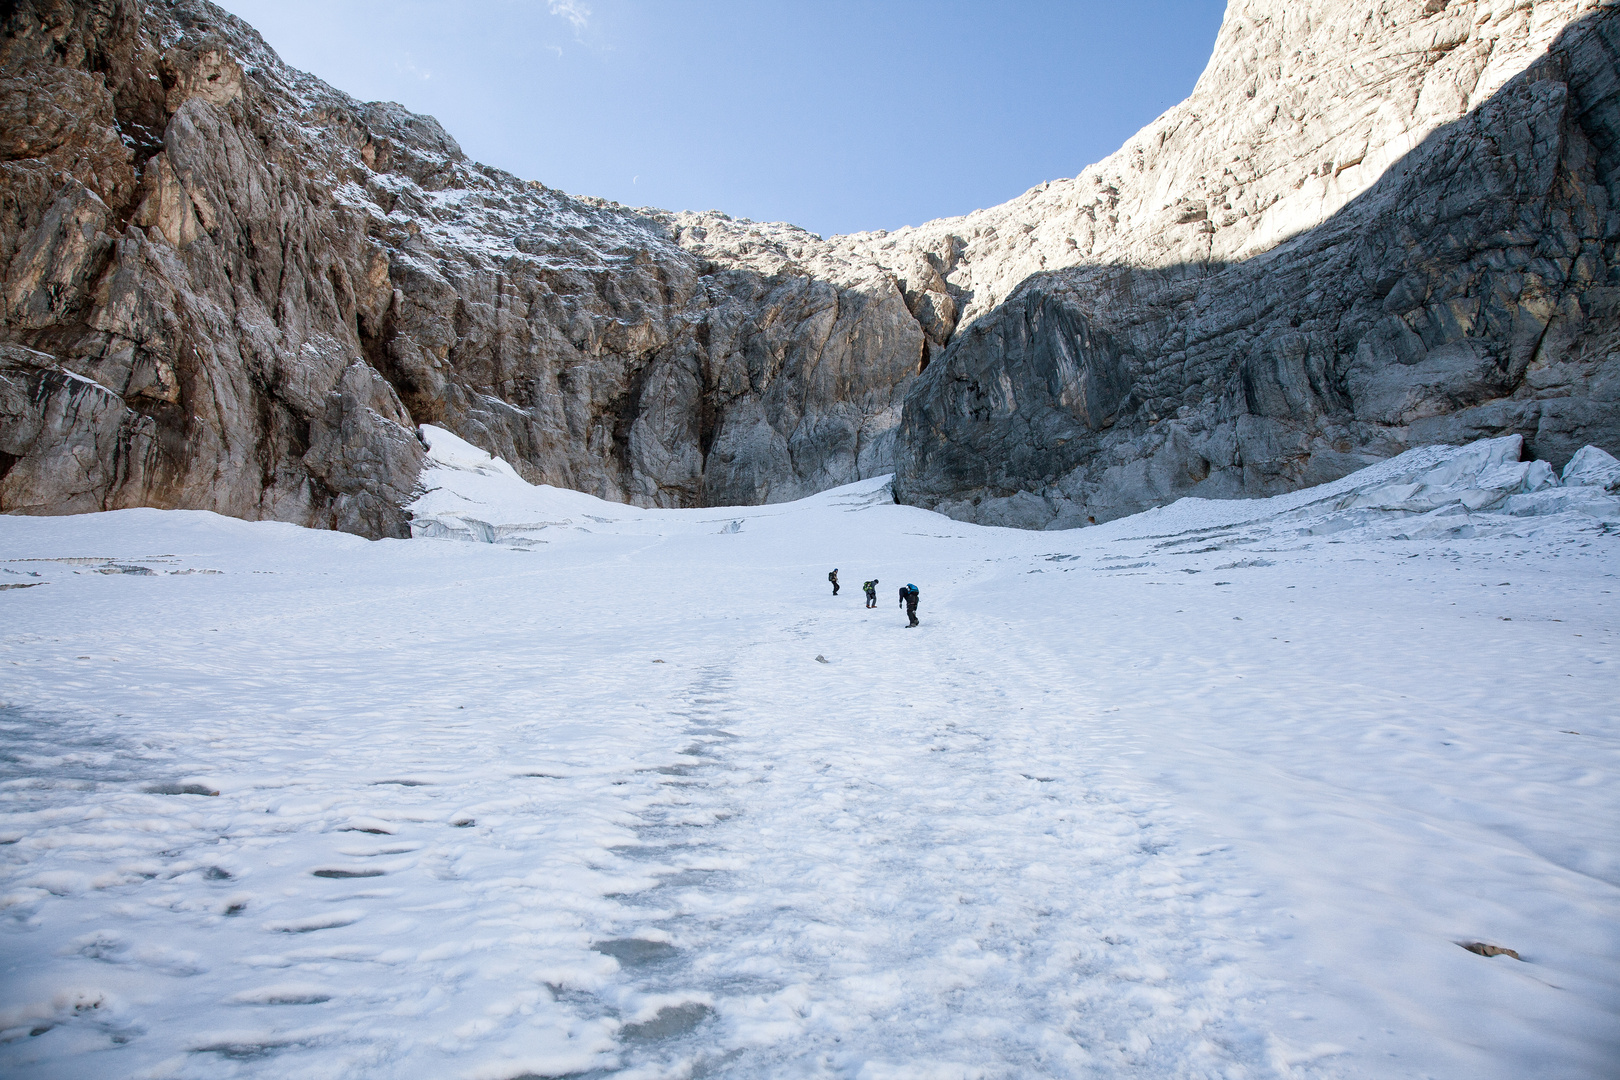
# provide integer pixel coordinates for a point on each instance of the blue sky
(837, 116)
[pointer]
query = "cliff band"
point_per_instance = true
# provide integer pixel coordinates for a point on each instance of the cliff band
(228, 286)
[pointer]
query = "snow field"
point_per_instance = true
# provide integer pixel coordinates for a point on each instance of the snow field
(1210, 792)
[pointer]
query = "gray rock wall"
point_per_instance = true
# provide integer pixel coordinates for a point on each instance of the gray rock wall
(1474, 290)
(225, 285)
(168, 241)
(269, 284)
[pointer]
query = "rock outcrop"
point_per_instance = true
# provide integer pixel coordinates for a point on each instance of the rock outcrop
(1410, 244)
(227, 285)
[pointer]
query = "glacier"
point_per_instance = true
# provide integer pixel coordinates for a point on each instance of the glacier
(558, 787)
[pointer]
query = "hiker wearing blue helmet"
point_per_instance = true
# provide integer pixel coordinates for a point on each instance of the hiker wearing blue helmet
(833, 577)
(908, 600)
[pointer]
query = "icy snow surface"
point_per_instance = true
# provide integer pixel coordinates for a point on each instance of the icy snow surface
(560, 788)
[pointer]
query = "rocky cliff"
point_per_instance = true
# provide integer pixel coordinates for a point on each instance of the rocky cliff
(229, 286)
(1370, 227)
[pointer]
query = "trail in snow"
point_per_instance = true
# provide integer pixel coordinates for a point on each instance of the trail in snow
(861, 892)
(1214, 791)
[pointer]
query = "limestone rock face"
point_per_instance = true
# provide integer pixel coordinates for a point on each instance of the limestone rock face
(177, 285)
(263, 285)
(83, 440)
(1283, 329)
(1303, 106)
(225, 285)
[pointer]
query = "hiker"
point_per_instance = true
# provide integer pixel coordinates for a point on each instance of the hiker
(833, 577)
(871, 592)
(908, 600)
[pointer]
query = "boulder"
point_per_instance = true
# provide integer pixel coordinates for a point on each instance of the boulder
(1591, 466)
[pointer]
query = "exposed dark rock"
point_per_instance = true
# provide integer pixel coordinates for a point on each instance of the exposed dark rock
(1479, 948)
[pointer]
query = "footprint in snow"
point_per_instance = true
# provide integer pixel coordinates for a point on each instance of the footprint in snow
(373, 826)
(329, 921)
(179, 789)
(283, 994)
(244, 1051)
(669, 1022)
(635, 952)
(342, 873)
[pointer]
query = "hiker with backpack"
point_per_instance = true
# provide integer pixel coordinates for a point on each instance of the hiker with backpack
(870, 588)
(833, 577)
(908, 600)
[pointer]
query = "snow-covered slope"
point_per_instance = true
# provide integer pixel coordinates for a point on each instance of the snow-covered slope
(1213, 791)
(1456, 491)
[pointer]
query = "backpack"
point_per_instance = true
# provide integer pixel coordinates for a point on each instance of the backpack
(833, 576)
